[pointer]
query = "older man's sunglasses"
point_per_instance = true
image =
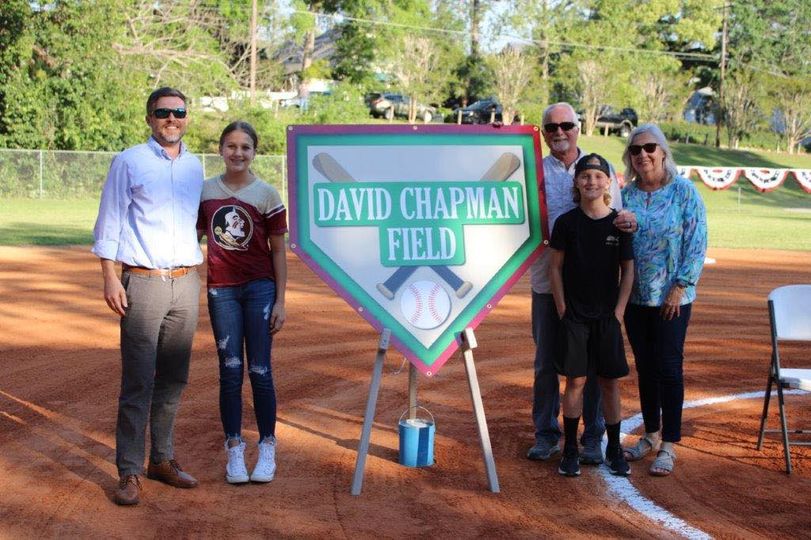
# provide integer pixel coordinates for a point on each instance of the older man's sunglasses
(553, 127)
(636, 149)
(164, 113)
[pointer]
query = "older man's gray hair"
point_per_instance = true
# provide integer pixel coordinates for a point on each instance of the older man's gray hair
(564, 105)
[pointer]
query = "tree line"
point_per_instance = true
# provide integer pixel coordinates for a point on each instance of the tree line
(74, 74)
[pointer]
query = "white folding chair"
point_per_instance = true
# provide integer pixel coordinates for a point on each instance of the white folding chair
(790, 320)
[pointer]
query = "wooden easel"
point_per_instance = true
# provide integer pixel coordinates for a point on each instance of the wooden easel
(467, 340)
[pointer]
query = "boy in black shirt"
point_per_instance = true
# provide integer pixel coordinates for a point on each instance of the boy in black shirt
(590, 294)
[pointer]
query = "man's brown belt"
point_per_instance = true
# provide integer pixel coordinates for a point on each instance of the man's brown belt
(170, 273)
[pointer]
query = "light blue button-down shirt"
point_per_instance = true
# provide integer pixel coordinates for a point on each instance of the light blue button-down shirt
(148, 211)
(671, 242)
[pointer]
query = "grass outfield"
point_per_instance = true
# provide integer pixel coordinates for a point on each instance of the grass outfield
(695, 154)
(739, 217)
(47, 222)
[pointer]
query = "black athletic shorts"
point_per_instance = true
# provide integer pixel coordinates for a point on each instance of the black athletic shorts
(589, 346)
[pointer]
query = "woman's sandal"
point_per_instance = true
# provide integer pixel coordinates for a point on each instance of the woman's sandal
(663, 464)
(642, 448)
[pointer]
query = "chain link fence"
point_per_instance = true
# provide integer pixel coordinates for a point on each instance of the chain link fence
(58, 174)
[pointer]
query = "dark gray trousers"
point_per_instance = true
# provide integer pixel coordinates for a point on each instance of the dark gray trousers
(156, 340)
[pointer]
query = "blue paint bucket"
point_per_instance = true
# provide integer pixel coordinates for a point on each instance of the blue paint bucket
(417, 440)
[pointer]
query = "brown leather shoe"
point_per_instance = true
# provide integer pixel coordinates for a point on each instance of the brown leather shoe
(169, 472)
(129, 490)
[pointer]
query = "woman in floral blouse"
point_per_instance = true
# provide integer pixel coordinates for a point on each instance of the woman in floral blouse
(669, 250)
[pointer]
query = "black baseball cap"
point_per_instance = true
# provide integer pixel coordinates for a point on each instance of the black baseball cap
(594, 162)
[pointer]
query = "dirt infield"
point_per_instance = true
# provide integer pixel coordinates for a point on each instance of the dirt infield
(59, 386)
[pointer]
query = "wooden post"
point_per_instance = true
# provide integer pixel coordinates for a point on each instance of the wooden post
(369, 416)
(412, 391)
(720, 108)
(468, 340)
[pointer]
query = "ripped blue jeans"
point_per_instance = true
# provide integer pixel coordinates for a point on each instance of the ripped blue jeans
(241, 315)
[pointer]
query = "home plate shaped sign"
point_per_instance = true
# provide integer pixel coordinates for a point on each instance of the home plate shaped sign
(422, 229)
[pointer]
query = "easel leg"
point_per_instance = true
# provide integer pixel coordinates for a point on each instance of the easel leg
(368, 419)
(468, 344)
(412, 391)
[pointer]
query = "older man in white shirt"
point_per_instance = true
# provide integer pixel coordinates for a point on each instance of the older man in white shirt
(561, 129)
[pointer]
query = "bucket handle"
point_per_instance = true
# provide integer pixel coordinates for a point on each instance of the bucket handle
(417, 407)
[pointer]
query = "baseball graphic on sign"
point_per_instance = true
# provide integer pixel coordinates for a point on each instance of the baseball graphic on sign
(425, 304)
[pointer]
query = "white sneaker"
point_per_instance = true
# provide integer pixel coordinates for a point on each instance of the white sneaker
(266, 466)
(235, 470)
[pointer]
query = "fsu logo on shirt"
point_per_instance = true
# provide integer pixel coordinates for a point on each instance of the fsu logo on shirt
(233, 228)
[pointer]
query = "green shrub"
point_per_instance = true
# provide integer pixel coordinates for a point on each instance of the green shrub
(19, 174)
(691, 132)
(343, 106)
(532, 113)
(682, 131)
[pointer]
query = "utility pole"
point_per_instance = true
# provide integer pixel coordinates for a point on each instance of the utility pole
(720, 114)
(474, 27)
(253, 51)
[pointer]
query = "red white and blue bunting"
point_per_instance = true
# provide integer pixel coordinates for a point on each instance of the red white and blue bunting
(803, 177)
(764, 179)
(718, 177)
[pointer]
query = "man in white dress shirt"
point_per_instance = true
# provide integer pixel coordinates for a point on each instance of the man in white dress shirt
(147, 222)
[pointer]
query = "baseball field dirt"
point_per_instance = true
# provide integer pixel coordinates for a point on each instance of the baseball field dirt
(58, 400)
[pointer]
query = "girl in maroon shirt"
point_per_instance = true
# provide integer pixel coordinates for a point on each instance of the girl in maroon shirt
(244, 221)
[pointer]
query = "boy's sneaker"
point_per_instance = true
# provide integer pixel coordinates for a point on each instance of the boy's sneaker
(235, 470)
(266, 466)
(617, 465)
(570, 463)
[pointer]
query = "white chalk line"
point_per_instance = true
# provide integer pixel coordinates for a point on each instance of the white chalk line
(622, 487)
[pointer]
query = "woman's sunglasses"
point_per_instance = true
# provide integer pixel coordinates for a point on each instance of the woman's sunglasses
(636, 149)
(565, 126)
(164, 113)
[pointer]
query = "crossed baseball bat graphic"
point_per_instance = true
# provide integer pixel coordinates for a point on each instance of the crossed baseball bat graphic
(500, 171)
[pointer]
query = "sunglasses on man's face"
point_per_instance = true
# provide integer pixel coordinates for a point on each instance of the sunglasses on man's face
(164, 113)
(565, 126)
(636, 149)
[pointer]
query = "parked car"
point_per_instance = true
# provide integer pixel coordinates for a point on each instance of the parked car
(621, 122)
(291, 102)
(479, 112)
(301, 102)
(390, 105)
(370, 97)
